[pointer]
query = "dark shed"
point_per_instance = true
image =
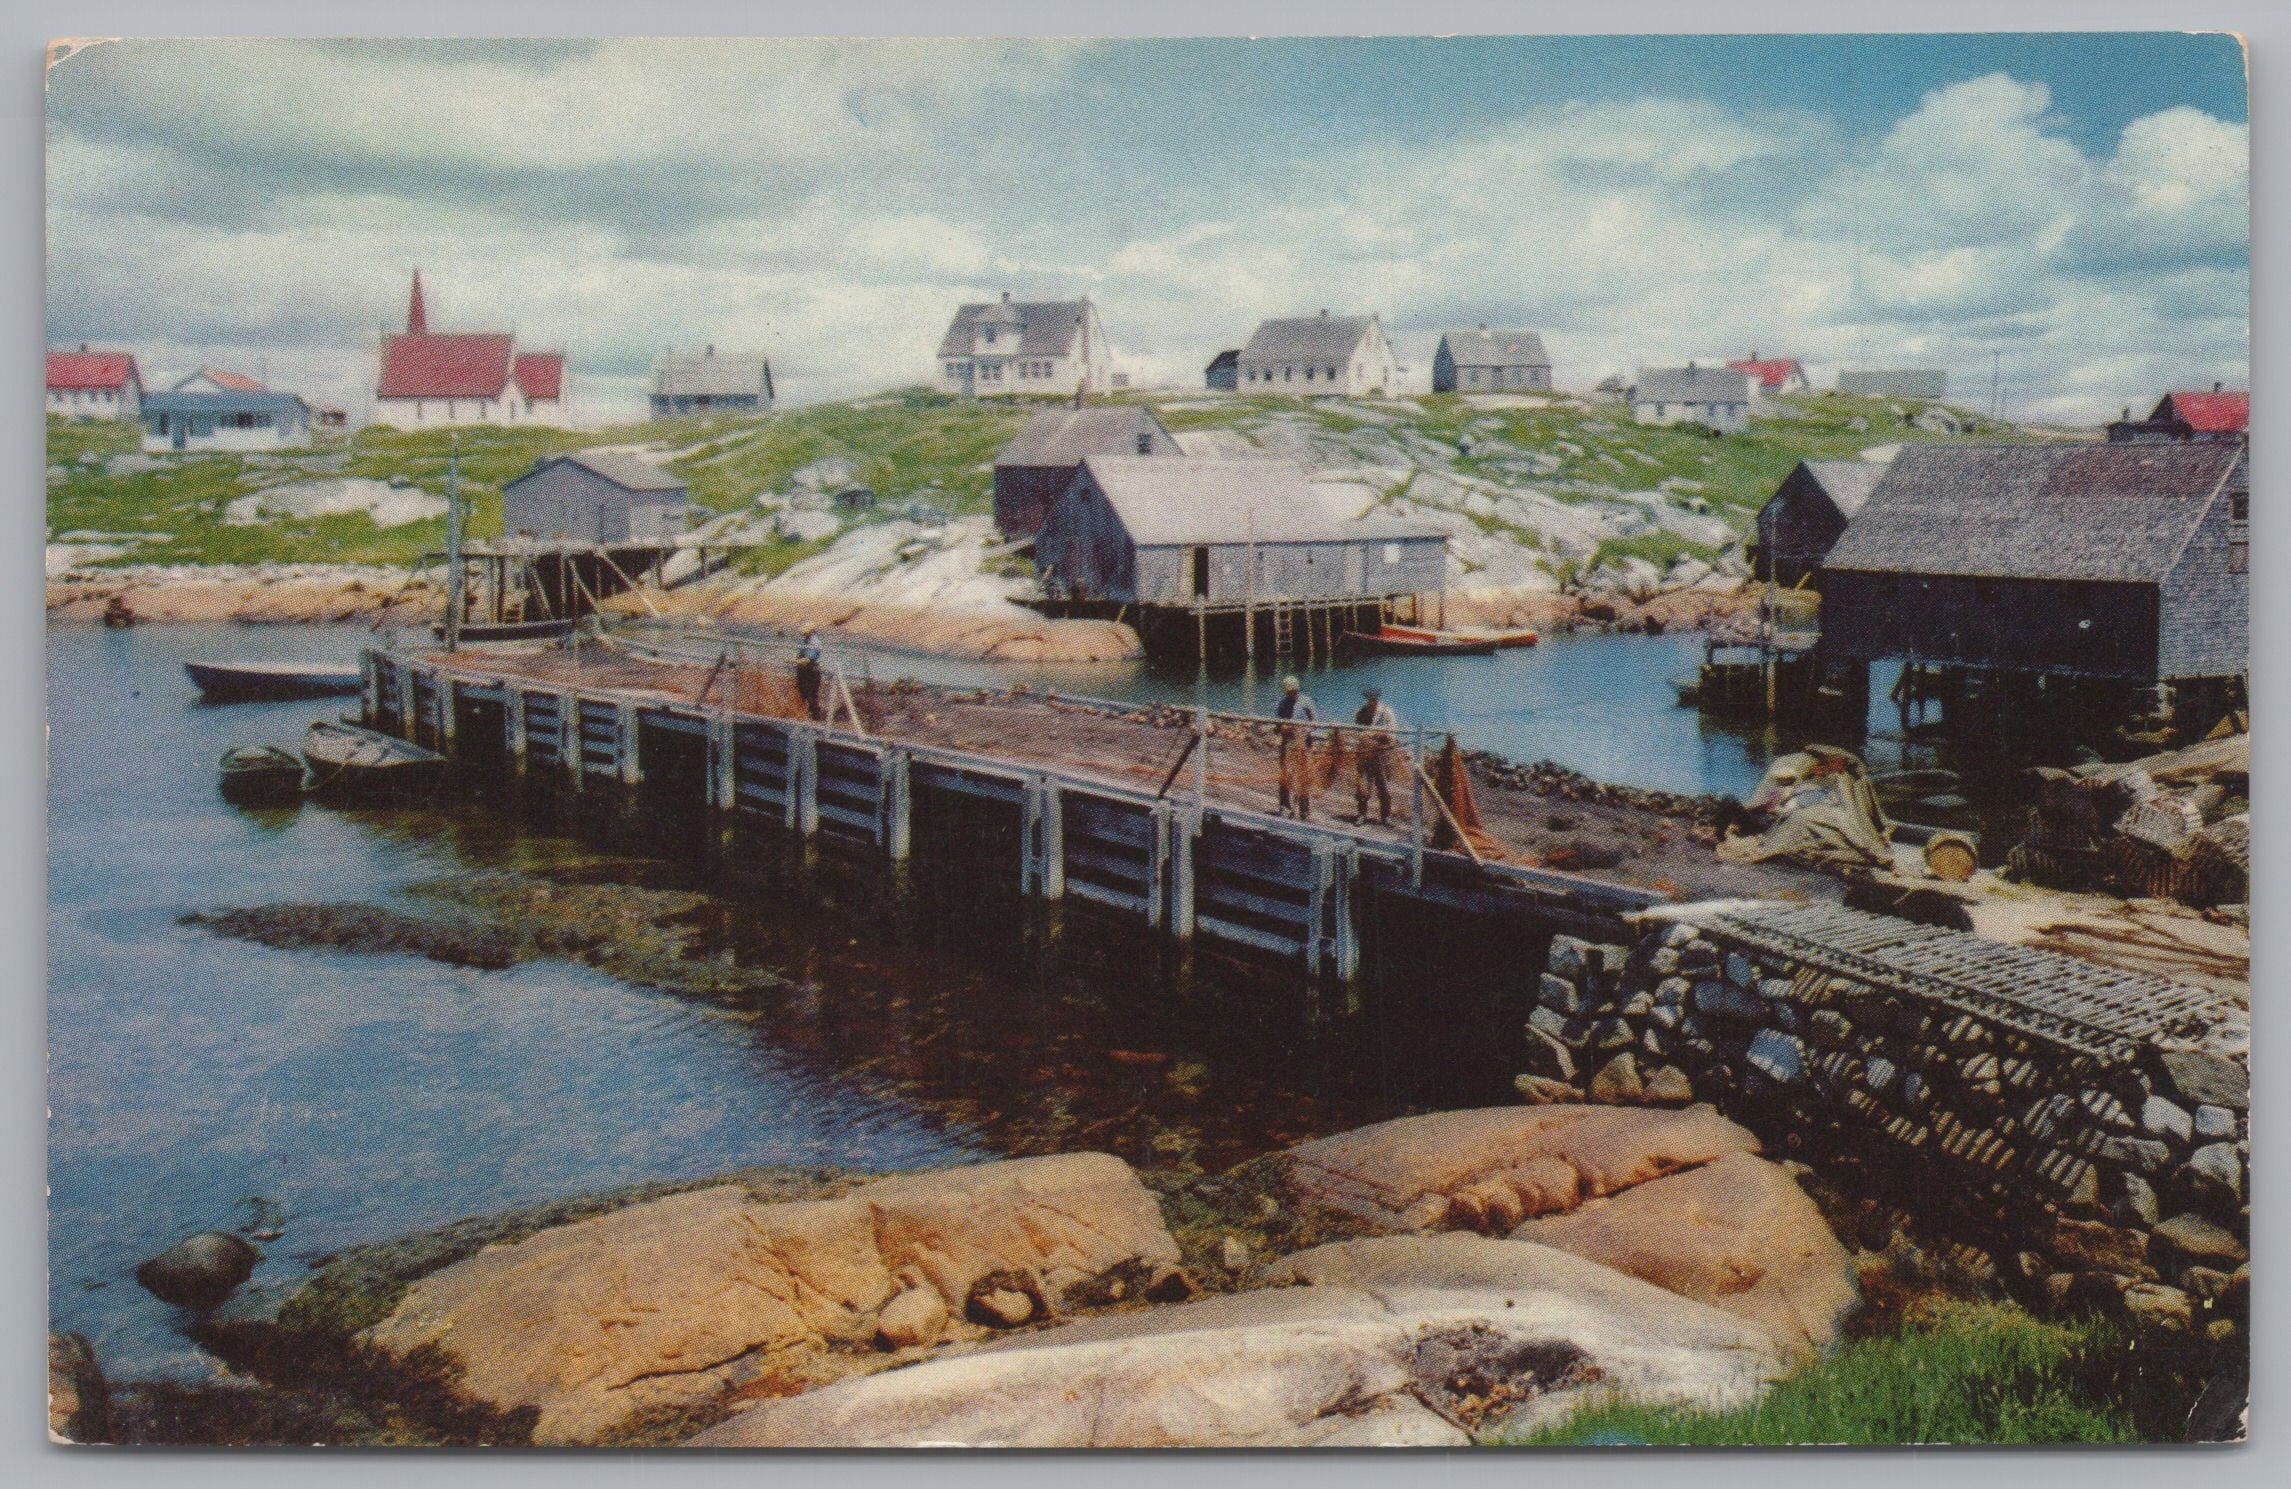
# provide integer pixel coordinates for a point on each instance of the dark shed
(1035, 468)
(1224, 371)
(2113, 561)
(1806, 515)
(595, 496)
(1223, 532)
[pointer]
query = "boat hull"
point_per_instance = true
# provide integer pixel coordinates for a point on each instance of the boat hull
(260, 776)
(257, 682)
(1389, 643)
(346, 761)
(518, 630)
(1500, 639)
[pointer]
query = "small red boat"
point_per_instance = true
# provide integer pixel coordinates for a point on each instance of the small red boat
(1502, 638)
(1413, 641)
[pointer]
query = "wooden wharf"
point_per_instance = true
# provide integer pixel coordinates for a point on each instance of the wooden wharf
(1103, 800)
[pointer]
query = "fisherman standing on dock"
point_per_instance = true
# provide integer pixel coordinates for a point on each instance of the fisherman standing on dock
(807, 673)
(1298, 714)
(1372, 756)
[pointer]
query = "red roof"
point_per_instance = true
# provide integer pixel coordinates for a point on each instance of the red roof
(83, 369)
(443, 365)
(234, 382)
(2205, 413)
(1771, 372)
(541, 374)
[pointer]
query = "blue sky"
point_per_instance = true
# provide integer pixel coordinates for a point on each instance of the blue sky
(2075, 205)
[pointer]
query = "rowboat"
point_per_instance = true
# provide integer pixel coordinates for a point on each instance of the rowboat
(512, 630)
(1412, 642)
(260, 775)
(248, 682)
(346, 760)
(1501, 637)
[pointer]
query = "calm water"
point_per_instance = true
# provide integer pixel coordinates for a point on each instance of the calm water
(364, 1096)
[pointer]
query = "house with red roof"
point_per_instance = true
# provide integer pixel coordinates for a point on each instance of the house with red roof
(1772, 374)
(94, 385)
(430, 378)
(2222, 414)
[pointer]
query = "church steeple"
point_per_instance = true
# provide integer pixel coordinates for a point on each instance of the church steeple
(417, 319)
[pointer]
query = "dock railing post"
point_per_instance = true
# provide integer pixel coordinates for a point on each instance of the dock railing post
(896, 814)
(513, 724)
(1200, 758)
(1416, 816)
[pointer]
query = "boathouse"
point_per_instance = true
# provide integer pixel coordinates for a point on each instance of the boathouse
(994, 349)
(238, 419)
(1485, 361)
(1035, 469)
(595, 497)
(2220, 415)
(1805, 517)
(2125, 562)
(1715, 397)
(1320, 356)
(685, 385)
(1224, 533)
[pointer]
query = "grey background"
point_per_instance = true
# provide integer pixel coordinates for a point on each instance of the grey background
(24, 30)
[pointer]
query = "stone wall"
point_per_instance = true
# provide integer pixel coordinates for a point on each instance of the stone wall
(2116, 1181)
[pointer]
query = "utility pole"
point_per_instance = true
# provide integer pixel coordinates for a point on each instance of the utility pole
(453, 542)
(1996, 385)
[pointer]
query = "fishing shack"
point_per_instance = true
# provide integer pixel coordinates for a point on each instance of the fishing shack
(2112, 576)
(1806, 516)
(1035, 469)
(1238, 554)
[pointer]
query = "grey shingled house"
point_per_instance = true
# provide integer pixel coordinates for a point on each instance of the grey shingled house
(683, 384)
(1148, 531)
(1320, 356)
(1715, 397)
(1485, 361)
(2125, 562)
(595, 496)
(1035, 469)
(1806, 515)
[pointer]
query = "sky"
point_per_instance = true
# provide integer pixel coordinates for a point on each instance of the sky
(2068, 214)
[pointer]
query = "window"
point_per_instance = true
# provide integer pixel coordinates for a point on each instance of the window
(1201, 573)
(1662, 410)
(1308, 374)
(1145, 444)
(2239, 505)
(1287, 373)
(1473, 377)
(990, 336)
(1392, 553)
(1330, 373)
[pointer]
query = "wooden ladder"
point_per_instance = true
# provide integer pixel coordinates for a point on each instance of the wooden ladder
(1284, 631)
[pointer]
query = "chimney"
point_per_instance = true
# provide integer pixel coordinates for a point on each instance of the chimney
(1324, 314)
(1483, 325)
(1006, 297)
(2215, 387)
(711, 350)
(1690, 364)
(83, 346)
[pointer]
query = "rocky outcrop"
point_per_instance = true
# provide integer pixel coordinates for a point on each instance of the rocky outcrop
(79, 1400)
(1002, 632)
(1738, 1234)
(199, 1272)
(268, 594)
(664, 1304)
(1405, 1342)
(1490, 1169)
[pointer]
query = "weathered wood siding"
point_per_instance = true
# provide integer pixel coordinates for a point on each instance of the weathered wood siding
(2030, 625)
(566, 500)
(1366, 569)
(1796, 530)
(2207, 598)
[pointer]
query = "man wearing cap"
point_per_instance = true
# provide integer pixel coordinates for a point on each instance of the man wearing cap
(807, 672)
(1372, 756)
(1297, 714)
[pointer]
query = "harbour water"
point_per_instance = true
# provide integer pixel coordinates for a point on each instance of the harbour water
(198, 1082)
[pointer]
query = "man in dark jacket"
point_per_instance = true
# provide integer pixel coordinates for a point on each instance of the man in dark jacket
(1373, 750)
(1297, 714)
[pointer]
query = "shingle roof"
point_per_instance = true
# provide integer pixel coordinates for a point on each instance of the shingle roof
(1228, 358)
(435, 364)
(541, 374)
(1485, 348)
(1847, 482)
(2207, 413)
(2112, 512)
(1165, 502)
(629, 472)
(711, 375)
(1051, 327)
(1065, 436)
(1690, 385)
(236, 401)
(1310, 338)
(84, 370)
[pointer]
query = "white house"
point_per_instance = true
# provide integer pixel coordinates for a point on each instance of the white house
(1717, 397)
(431, 378)
(94, 385)
(1320, 356)
(1025, 346)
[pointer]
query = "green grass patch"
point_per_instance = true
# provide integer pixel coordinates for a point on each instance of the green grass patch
(1985, 1373)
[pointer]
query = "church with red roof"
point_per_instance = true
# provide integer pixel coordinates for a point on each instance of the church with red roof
(430, 378)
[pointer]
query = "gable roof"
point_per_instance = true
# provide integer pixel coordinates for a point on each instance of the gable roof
(84, 370)
(1164, 502)
(711, 375)
(438, 364)
(2206, 413)
(627, 471)
(1228, 358)
(1847, 483)
(1066, 436)
(1485, 348)
(541, 374)
(1690, 384)
(228, 382)
(1308, 338)
(256, 400)
(1049, 328)
(2109, 512)
(1769, 372)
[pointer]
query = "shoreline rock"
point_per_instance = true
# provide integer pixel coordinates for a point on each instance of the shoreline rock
(263, 594)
